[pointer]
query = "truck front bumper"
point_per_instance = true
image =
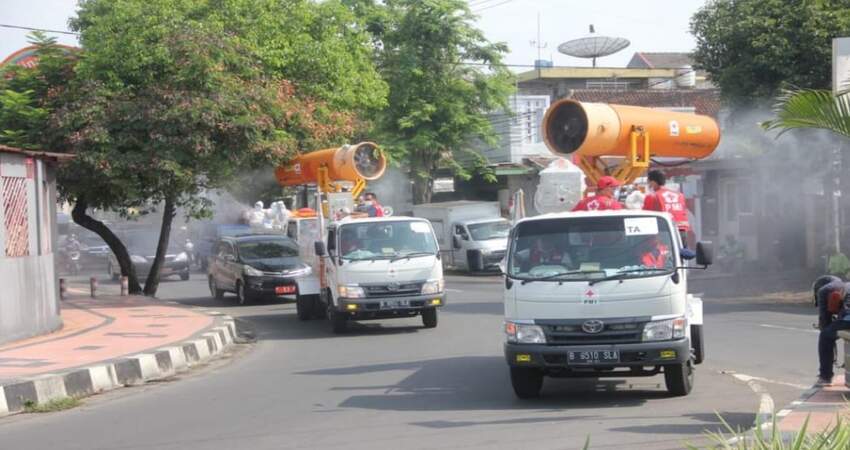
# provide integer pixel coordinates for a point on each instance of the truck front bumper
(554, 358)
(389, 307)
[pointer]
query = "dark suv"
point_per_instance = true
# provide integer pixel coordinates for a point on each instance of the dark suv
(255, 266)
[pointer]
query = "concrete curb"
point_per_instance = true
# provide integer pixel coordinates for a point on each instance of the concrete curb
(133, 370)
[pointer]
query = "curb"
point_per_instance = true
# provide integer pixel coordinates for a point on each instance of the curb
(133, 370)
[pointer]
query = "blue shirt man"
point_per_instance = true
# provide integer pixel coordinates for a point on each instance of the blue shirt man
(830, 326)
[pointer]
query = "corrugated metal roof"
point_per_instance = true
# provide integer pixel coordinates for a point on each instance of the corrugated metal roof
(47, 156)
(704, 101)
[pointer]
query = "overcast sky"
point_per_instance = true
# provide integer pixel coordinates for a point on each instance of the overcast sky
(653, 26)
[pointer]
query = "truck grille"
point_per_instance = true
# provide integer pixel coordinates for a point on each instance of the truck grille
(613, 332)
(494, 258)
(393, 290)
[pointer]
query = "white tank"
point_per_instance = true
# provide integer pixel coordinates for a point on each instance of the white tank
(686, 77)
(560, 187)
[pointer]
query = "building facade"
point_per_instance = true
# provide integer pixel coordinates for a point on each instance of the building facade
(29, 299)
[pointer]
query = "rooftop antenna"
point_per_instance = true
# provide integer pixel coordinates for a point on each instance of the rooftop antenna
(593, 46)
(539, 44)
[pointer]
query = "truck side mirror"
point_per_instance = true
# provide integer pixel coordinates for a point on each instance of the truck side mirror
(705, 253)
(456, 242)
(319, 248)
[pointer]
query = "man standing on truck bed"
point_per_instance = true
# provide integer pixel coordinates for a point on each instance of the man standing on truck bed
(665, 200)
(604, 198)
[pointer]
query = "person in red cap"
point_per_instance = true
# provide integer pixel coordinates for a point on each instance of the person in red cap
(665, 200)
(604, 198)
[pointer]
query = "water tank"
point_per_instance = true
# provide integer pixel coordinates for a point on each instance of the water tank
(686, 77)
(542, 63)
(560, 187)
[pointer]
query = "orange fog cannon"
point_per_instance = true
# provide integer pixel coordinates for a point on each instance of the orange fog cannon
(325, 168)
(588, 132)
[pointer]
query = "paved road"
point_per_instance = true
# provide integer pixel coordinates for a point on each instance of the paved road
(392, 384)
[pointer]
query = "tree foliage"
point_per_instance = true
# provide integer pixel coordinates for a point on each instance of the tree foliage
(751, 48)
(444, 77)
(811, 109)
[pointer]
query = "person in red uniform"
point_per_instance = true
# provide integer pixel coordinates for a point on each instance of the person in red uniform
(665, 200)
(654, 254)
(604, 198)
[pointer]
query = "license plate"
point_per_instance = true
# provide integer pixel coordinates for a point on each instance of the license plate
(283, 290)
(593, 357)
(395, 304)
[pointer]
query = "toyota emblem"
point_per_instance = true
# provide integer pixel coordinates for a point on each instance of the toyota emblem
(392, 287)
(592, 326)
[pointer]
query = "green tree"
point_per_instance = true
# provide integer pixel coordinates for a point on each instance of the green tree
(444, 78)
(750, 48)
(811, 109)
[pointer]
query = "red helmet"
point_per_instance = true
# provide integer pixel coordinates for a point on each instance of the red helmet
(606, 182)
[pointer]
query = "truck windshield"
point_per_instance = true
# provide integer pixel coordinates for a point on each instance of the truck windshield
(591, 248)
(386, 240)
(489, 230)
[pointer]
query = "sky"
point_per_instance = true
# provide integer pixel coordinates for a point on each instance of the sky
(650, 25)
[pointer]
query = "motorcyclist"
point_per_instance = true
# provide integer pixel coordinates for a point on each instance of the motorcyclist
(70, 252)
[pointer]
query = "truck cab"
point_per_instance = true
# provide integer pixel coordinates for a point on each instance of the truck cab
(600, 294)
(379, 268)
(479, 244)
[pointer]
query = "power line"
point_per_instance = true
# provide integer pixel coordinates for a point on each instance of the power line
(492, 6)
(18, 27)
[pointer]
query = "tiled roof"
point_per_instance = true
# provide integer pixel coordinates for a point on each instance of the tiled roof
(660, 60)
(704, 101)
(37, 153)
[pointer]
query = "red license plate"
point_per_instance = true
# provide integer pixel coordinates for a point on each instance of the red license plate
(282, 290)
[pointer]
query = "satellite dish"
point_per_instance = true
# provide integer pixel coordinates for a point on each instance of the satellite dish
(593, 46)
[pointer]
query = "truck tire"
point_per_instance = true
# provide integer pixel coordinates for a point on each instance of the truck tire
(679, 378)
(338, 320)
(527, 382)
(697, 343)
(304, 307)
(429, 317)
(475, 261)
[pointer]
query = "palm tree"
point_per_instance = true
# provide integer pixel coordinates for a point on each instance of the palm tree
(811, 108)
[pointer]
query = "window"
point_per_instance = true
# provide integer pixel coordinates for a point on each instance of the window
(589, 248)
(16, 214)
(461, 231)
(386, 240)
(292, 230)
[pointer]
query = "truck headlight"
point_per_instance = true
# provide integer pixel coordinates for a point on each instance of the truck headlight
(351, 291)
(521, 333)
(252, 272)
(182, 257)
(663, 330)
(306, 270)
(433, 287)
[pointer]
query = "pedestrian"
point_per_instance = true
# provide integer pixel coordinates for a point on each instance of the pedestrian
(665, 200)
(604, 198)
(833, 317)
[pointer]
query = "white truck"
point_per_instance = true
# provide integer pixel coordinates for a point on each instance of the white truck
(472, 235)
(600, 294)
(375, 268)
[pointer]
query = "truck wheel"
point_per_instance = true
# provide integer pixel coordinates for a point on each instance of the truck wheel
(679, 378)
(526, 382)
(429, 317)
(698, 343)
(338, 320)
(304, 307)
(320, 308)
(217, 293)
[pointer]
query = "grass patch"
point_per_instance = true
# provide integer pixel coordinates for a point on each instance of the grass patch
(52, 406)
(836, 437)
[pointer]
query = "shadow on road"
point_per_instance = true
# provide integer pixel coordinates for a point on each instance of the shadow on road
(479, 383)
(705, 423)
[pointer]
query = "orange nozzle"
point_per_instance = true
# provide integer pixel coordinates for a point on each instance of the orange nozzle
(599, 129)
(347, 163)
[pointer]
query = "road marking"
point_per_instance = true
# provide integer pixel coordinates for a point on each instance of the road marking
(783, 413)
(778, 327)
(748, 378)
(453, 290)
